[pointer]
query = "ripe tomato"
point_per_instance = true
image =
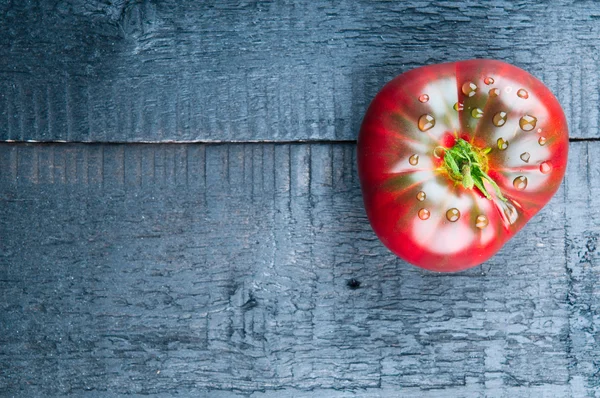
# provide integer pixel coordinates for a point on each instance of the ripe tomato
(455, 158)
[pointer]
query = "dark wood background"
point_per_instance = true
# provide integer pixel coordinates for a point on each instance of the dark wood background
(180, 212)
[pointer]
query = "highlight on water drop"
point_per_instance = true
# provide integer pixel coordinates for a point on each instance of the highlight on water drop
(477, 113)
(527, 122)
(469, 89)
(499, 119)
(426, 122)
(545, 167)
(520, 183)
(522, 93)
(502, 144)
(481, 221)
(453, 214)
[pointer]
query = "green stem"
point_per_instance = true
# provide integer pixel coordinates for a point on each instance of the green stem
(467, 165)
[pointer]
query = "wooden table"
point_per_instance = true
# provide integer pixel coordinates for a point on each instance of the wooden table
(187, 218)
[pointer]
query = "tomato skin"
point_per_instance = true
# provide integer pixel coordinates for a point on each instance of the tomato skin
(416, 209)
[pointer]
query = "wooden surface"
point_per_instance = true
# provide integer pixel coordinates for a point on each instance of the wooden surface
(131, 71)
(249, 269)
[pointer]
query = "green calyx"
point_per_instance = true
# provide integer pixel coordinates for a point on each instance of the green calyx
(467, 165)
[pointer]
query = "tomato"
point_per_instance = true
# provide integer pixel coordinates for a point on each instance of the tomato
(455, 158)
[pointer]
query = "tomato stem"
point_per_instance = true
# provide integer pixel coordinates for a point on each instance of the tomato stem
(468, 165)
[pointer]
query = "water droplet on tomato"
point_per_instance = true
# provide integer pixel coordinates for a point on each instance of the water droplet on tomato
(482, 221)
(502, 144)
(424, 214)
(453, 214)
(527, 122)
(477, 113)
(523, 93)
(426, 122)
(499, 119)
(494, 92)
(520, 183)
(488, 80)
(424, 98)
(414, 159)
(469, 89)
(525, 157)
(546, 167)
(542, 141)
(458, 106)
(439, 152)
(421, 196)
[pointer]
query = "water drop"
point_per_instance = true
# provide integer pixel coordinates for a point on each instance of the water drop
(523, 93)
(546, 167)
(424, 214)
(527, 122)
(542, 141)
(488, 80)
(499, 119)
(439, 152)
(502, 144)
(413, 160)
(520, 183)
(423, 98)
(453, 214)
(508, 89)
(421, 196)
(482, 221)
(477, 113)
(469, 89)
(494, 92)
(525, 157)
(426, 122)
(458, 106)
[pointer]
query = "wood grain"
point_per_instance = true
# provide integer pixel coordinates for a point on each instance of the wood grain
(223, 271)
(130, 71)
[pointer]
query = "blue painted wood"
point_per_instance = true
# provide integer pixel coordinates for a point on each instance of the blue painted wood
(249, 269)
(131, 71)
(225, 271)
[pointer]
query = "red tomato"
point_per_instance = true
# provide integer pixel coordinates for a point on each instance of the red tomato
(455, 158)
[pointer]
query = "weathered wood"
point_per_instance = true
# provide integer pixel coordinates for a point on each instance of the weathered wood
(176, 70)
(223, 270)
(583, 260)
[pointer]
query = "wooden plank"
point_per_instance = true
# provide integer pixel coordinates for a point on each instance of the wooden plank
(583, 259)
(284, 71)
(119, 276)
